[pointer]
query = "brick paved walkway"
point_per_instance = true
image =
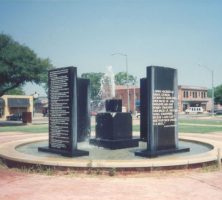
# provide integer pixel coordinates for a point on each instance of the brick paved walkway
(188, 184)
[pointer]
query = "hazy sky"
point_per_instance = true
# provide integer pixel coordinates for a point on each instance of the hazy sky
(173, 33)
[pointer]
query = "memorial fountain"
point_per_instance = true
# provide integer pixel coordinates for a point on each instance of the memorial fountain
(113, 127)
(158, 136)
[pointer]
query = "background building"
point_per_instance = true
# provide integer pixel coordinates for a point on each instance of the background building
(188, 96)
(134, 96)
(41, 105)
(15, 104)
(192, 96)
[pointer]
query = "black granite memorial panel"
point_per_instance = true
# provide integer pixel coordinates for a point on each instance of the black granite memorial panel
(143, 109)
(60, 114)
(63, 112)
(83, 108)
(160, 116)
(164, 108)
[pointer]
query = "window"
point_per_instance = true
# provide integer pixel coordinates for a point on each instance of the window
(194, 94)
(185, 94)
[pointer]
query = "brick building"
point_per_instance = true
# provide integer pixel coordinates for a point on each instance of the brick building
(188, 96)
(191, 96)
(134, 96)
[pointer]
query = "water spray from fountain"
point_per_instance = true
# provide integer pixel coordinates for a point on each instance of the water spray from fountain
(107, 85)
(106, 91)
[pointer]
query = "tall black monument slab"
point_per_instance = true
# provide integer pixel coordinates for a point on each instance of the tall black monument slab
(143, 109)
(159, 116)
(63, 115)
(83, 109)
(113, 128)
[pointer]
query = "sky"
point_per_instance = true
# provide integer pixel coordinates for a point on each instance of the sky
(182, 34)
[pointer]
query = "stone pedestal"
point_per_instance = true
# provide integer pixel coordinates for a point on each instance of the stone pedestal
(114, 129)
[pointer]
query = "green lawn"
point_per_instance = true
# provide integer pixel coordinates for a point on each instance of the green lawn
(26, 128)
(191, 129)
(198, 121)
(198, 129)
(186, 128)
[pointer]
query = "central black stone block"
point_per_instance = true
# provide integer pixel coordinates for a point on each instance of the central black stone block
(114, 131)
(113, 105)
(114, 126)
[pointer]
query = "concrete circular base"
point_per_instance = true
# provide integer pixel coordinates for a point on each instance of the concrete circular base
(12, 157)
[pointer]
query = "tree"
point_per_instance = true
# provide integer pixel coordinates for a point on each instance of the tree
(209, 93)
(94, 83)
(121, 79)
(19, 65)
(16, 91)
(218, 94)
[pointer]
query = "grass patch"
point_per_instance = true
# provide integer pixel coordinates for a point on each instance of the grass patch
(136, 128)
(44, 129)
(195, 121)
(191, 129)
(210, 168)
(92, 128)
(186, 128)
(198, 129)
(112, 172)
(2, 164)
(26, 128)
(49, 171)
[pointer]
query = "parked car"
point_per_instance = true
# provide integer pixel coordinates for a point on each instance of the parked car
(218, 112)
(138, 115)
(194, 110)
(14, 117)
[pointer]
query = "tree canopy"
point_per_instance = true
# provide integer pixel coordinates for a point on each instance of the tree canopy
(16, 91)
(94, 83)
(209, 93)
(121, 79)
(218, 94)
(19, 65)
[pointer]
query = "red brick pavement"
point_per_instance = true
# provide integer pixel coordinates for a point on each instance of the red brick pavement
(198, 185)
